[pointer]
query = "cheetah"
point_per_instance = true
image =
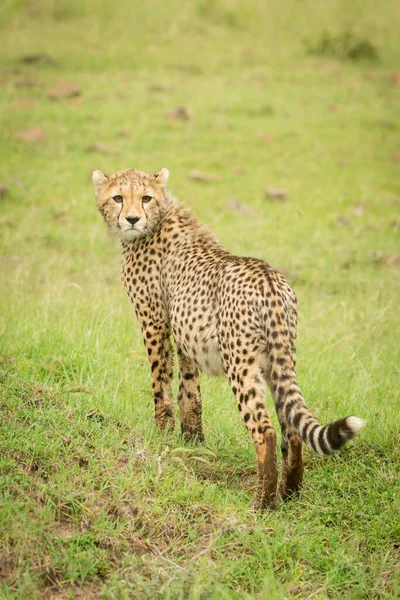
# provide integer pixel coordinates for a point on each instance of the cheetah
(229, 315)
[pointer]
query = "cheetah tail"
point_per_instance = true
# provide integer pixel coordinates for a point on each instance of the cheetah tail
(327, 439)
(324, 439)
(292, 410)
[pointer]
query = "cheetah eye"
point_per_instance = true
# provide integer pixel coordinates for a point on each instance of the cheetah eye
(146, 199)
(118, 199)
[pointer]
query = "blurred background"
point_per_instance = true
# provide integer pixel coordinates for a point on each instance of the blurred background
(278, 120)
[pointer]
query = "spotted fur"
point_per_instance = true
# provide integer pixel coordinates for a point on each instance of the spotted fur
(229, 316)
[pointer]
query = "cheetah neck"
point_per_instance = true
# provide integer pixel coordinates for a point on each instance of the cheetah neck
(178, 223)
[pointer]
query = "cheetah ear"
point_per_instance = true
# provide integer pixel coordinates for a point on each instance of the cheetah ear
(162, 177)
(99, 179)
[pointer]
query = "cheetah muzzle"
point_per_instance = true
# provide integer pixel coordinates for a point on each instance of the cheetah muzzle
(229, 316)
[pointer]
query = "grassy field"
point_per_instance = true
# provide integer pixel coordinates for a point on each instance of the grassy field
(302, 97)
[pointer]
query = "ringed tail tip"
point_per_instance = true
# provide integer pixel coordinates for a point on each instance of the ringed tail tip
(355, 424)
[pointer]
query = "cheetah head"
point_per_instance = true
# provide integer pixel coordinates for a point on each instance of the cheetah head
(132, 202)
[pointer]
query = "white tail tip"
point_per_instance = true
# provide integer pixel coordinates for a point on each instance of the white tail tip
(355, 424)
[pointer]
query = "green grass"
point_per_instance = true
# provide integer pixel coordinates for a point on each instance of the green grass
(95, 503)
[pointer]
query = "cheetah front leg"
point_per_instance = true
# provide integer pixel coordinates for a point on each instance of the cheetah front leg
(189, 399)
(160, 355)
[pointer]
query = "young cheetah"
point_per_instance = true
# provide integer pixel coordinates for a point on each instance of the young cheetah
(229, 316)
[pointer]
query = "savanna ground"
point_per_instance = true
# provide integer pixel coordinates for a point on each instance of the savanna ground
(300, 97)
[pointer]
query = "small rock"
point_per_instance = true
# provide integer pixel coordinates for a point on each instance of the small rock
(204, 177)
(189, 69)
(395, 79)
(390, 259)
(32, 59)
(33, 134)
(342, 221)
(276, 194)
(267, 137)
(160, 88)
(3, 191)
(235, 205)
(100, 147)
(395, 225)
(64, 90)
(61, 217)
(179, 113)
(358, 211)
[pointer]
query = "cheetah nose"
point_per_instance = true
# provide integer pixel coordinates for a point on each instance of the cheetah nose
(132, 220)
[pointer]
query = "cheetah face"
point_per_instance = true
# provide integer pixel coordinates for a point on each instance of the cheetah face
(132, 202)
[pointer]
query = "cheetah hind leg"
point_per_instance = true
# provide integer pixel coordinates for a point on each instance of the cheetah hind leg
(267, 472)
(292, 464)
(248, 386)
(189, 399)
(292, 446)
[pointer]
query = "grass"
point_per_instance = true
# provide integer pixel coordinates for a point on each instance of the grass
(95, 503)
